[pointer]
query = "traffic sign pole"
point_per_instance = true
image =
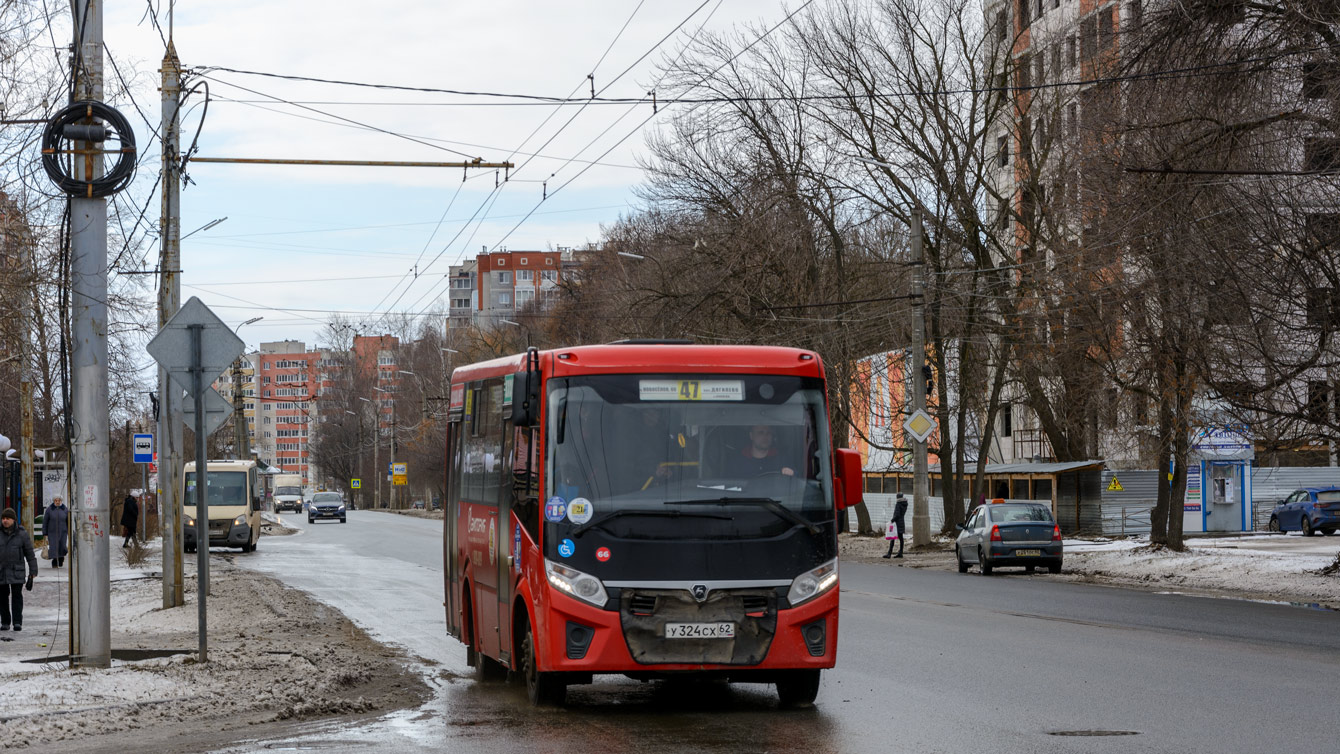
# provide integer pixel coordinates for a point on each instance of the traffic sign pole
(201, 482)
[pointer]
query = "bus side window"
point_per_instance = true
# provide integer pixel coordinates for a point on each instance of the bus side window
(526, 480)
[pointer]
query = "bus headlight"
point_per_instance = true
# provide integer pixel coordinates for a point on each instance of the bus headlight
(583, 586)
(813, 583)
(240, 520)
(190, 522)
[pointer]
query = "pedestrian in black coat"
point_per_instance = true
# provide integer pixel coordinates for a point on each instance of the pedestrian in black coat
(899, 511)
(56, 529)
(130, 516)
(15, 548)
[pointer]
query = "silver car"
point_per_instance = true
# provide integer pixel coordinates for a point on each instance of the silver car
(1009, 534)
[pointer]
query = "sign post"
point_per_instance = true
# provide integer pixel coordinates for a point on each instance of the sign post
(194, 347)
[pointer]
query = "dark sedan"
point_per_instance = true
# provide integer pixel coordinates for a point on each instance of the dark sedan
(326, 505)
(1009, 534)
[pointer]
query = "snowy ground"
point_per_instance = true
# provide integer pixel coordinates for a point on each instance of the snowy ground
(1276, 568)
(274, 654)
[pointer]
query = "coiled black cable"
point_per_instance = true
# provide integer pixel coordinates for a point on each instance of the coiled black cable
(118, 128)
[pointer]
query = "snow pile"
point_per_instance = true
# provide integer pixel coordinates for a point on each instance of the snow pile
(274, 654)
(1231, 565)
(273, 524)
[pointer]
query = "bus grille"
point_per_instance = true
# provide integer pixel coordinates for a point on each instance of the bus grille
(644, 613)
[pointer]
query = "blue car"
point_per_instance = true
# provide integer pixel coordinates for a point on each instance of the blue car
(1309, 510)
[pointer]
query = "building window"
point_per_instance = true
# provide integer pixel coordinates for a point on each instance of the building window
(524, 296)
(1324, 228)
(525, 276)
(1107, 27)
(504, 278)
(1024, 20)
(1024, 72)
(1006, 421)
(1056, 62)
(549, 275)
(1072, 44)
(1003, 214)
(549, 261)
(505, 299)
(1003, 150)
(1322, 307)
(1318, 402)
(1318, 79)
(502, 262)
(524, 261)
(1088, 37)
(1002, 27)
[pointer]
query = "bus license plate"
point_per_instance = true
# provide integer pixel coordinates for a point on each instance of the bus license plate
(700, 630)
(1027, 553)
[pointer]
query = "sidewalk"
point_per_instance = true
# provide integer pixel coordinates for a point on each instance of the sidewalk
(1275, 568)
(274, 655)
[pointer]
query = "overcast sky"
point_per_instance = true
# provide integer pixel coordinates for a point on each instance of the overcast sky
(302, 241)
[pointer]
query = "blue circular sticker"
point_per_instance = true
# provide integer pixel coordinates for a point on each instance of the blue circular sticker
(566, 548)
(555, 510)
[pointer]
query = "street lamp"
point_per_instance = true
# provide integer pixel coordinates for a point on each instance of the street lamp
(921, 520)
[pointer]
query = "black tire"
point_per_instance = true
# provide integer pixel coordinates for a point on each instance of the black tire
(962, 566)
(467, 627)
(343, 521)
(1028, 569)
(1054, 567)
(981, 562)
(1274, 525)
(1328, 531)
(798, 688)
(311, 520)
(544, 689)
(1308, 531)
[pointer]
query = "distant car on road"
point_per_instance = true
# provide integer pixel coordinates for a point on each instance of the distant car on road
(326, 505)
(1009, 534)
(417, 505)
(1309, 510)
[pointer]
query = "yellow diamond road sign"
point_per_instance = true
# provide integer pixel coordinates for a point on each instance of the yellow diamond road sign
(919, 425)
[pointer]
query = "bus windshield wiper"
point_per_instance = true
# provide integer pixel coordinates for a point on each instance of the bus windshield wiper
(580, 530)
(766, 502)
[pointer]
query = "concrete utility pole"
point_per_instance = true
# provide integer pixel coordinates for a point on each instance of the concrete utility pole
(90, 617)
(921, 518)
(169, 301)
(393, 430)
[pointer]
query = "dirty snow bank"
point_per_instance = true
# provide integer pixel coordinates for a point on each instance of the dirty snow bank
(1276, 568)
(274, 654)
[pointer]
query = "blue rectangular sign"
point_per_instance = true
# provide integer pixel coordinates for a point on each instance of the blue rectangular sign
(144, 448)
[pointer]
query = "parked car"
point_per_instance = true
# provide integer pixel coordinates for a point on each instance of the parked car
(1009, 534)
(326, 505)
(1309, 510)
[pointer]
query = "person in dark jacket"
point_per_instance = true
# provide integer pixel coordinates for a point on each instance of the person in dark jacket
(130, 516)
(56, 529)
(15, 548)
(899, 511)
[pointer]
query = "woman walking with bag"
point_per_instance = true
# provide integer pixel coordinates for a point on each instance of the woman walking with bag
(56, 529)
(15, 548)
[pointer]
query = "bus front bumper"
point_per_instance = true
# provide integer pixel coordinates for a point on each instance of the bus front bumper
(221, 534)
(582, 639)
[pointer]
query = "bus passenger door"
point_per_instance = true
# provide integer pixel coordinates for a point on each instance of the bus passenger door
(451, 516)
(505, 542)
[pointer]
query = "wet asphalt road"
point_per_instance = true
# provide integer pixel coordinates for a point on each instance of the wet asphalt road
(928, 661)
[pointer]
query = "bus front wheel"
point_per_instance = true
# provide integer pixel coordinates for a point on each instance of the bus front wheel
(798, 687)
(544, 689)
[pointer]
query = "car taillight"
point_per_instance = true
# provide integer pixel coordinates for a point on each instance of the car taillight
(995, 534)
(1056, 533)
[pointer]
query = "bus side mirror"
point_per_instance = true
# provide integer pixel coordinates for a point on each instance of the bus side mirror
(526, 392)
(850, 478)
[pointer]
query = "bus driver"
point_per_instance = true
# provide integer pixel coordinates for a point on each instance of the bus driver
(759, 456)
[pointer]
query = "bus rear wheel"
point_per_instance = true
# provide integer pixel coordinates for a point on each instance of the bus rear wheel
(544, 689)
(798, 687)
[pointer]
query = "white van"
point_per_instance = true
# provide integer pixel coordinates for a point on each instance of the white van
(233, 498)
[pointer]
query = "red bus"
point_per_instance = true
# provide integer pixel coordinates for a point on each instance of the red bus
(645, 509)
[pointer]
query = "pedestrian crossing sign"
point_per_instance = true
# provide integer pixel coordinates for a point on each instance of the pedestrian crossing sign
(356, 484)
(1114, 486)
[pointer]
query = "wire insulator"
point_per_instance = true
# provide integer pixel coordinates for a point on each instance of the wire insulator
(118, 128)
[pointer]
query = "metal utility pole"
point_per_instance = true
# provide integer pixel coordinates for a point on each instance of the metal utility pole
(169, 301)
(239, 418)
(90, 617)
(921, 518)
(26, 330)
(201, 483)
(393, 428)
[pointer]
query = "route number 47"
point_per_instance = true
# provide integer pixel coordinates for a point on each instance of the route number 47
(690, 390)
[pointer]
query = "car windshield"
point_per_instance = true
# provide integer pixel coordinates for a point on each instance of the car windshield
(327, 497)
(678, 443)
(288, 491)
(1002, 514)
(221, 488)
(1328, 496)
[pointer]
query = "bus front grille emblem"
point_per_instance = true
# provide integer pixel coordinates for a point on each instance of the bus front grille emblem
(700, 592)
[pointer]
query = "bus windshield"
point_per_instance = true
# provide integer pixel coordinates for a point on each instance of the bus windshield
(221, 488)
(698, 446)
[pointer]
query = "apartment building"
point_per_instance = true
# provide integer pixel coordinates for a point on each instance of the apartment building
(287, 379)
(496, 285)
